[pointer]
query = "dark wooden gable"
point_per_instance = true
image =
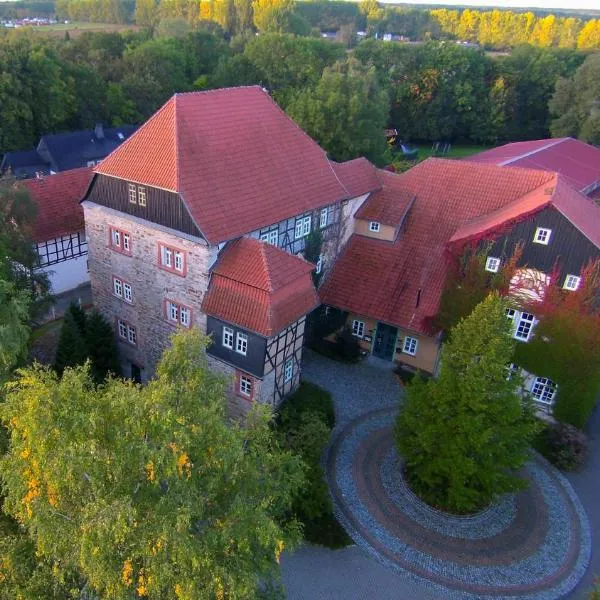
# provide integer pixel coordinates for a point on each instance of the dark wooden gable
(162, 207)
(568, 247)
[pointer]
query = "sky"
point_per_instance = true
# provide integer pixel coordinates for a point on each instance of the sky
(546, 4)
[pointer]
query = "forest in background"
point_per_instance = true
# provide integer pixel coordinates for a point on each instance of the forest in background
(434, 91)
(493, 29)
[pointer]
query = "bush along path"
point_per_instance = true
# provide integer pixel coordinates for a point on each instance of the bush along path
(533, 544)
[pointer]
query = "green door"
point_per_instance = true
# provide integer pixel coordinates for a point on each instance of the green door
(385, 341)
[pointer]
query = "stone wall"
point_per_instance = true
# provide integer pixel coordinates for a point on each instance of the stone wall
(151, 285)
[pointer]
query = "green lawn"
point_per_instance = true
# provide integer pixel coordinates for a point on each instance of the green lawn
(77, 27)
(456, 151)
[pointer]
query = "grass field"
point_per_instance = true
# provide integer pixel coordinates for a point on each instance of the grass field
(77, 27)
(456, 151)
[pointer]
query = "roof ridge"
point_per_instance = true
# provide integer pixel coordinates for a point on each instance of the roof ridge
(266, 264)
(554, 142)
(176, 127)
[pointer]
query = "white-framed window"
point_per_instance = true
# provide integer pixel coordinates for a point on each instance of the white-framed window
(492, 264)
(319, 266)
(522, 324)
(358, 328)
(132, 193)
(246, 386)
(127, 292)
(178, 313)
(288, 370)
(117, 287)
(185, 316)
(119, 240)
(271, 237)
(141, 194)
(543, 390)
(323, 217)
(126, 244)
(93, 163)
(172, 311)
(116, 238)
(166, 256)
(572, 282)
(410, 345)
(178, 260)
(542, 236)
(374, 226)
(302, 227)
(228, 337)
(241, 343)
(172, 259)
(127, 332)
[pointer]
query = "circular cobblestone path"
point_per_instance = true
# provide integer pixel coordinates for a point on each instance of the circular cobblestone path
(535, 544)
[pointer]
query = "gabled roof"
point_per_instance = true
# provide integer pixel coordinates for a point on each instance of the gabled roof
(57, 199)
(24, 164)
(359, 176)
(237, 160)
(401, 283)
(260, 287)
(576, 161)
(390, 204)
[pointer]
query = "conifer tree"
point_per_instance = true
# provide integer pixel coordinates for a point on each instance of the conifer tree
(464, 435)
(72, 348)
(102, 348)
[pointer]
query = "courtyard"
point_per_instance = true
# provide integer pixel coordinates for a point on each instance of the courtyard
(535, 544)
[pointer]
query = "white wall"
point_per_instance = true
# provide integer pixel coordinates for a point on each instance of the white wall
(67, 275)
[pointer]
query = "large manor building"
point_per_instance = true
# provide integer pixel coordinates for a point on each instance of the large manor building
(201, 217)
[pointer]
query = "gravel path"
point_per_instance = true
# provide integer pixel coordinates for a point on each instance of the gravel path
(357, 572)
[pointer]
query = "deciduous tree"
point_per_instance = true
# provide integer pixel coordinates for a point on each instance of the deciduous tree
(148, 491)
(346, 112)
(464, 435)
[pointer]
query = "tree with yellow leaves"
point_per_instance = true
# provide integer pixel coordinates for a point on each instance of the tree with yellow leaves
(272, 15)
(149, 491)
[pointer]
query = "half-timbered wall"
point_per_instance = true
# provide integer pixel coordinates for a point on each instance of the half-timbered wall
(286, 346)
(568, 247)
(162, 207)
(286, 230)
(252, 362)
(64, 259)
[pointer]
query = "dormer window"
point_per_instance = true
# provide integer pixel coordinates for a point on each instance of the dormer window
(542, 236)
(374, 226)
(572, 282)
(492, 264)
(132, 193)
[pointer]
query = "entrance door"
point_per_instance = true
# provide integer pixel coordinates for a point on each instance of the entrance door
(385, 341)
(136, 373)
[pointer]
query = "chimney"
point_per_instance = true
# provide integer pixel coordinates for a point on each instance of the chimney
(99, 131)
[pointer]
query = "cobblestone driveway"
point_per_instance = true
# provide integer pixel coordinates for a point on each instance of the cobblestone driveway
(534, 545)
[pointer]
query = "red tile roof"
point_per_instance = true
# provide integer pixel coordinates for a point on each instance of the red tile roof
(401, 283)
(237, 160)
(259, 287)
(577, 162)
(359, 176)
(388, 205)
(57, 199)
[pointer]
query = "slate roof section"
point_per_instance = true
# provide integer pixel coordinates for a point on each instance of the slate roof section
(576, 161)
(401, 283)
(389, 205)
(57, 198)
(237, 160)
(359, 176)
(65, 151)
(259, 287)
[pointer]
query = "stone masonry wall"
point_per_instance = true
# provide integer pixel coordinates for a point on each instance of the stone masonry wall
(151, 285)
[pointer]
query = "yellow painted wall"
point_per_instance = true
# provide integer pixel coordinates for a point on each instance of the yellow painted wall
(386, 232)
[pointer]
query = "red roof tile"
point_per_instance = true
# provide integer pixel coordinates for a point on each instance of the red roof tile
(577, 162)
(260, 287)
(359, 176)
(401, 283)
(238, 161)
(57, 199)
(388, 205)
